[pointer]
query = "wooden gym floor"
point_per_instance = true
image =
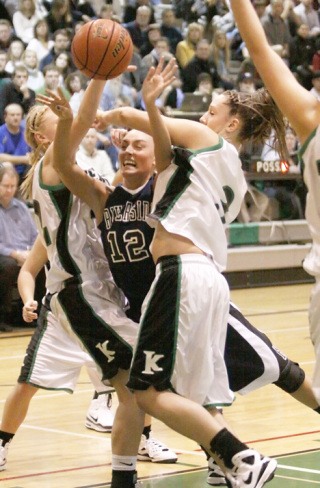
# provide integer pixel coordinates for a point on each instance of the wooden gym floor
(53, 449)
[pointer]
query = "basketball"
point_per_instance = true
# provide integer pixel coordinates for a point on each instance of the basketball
(102, 49)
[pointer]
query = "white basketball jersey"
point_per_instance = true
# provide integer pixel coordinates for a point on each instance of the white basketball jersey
(310, 161)
(70, 234)
(198, 194)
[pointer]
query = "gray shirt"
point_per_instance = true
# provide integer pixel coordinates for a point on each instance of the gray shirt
(17, 228)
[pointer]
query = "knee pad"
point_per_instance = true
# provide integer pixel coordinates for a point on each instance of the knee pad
(291, 377)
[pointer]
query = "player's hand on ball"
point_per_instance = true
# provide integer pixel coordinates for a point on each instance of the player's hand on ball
(57, 103)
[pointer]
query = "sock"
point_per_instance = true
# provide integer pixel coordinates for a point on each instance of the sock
(226, 445)
(123, 479)
(123, 463)
(5, 437)
(147, 431)
(317, 409)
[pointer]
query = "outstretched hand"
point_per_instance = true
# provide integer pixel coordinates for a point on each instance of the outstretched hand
(158, 79)
(57, 103)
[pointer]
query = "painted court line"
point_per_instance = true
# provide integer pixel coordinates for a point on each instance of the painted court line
(301, 470)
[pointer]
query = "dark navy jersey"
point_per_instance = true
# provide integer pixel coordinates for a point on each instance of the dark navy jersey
(126, 239)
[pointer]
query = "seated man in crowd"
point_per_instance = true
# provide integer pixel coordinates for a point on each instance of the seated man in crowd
(17, 91)
(13, 147)
(17, 235)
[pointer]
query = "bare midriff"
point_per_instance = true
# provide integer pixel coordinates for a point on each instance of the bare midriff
(165, 243)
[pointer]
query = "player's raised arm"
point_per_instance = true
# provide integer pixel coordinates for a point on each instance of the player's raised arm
(61, 154)
(152, 87)
(296, 103)
(183, 132)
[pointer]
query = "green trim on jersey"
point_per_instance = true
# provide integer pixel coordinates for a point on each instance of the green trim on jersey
(303, 149)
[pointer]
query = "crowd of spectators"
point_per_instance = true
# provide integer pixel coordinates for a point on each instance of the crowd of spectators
(35, 42)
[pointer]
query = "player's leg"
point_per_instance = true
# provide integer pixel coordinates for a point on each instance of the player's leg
(14, 412)
(126, 434)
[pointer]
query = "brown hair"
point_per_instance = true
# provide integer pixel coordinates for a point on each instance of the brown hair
(259, 116)
(33, 121)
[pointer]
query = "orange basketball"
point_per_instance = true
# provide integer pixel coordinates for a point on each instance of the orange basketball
(102, 49)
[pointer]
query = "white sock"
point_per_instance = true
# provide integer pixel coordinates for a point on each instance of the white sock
(124, 463)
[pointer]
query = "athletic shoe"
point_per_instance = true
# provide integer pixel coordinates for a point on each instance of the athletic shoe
(99, 416)
(154, 451)
(3, 455)
(216, 476)
(250, 469)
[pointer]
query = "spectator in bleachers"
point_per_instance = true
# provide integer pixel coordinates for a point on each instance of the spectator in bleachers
(131, 8)
(7, 34)
(204, 85)
(114, 89)
(161, 49)
(315, 90)
(173, 95)
(30, 61)
(17, 91)
(24, 20)
(61, 43)
(65, 64)
(308, 16)
(276, 29)
(41, 43)
(75, 84)
(106, 12)
(200, 63)
(52, 74)
(89, 156)
(5, 76)
(13, 147)
(221, 54)
(245, 82)
(186, 49)
(169, 28)
(17, 235)
(60, 16)
(152, 37)
(301, 51)
(134, 78)
(14, 53)
(138, 28)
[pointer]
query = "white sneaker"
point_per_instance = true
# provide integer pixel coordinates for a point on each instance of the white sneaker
(154, 451)
(3, 455)
(216, 476)
(99, 416)
(251, 470)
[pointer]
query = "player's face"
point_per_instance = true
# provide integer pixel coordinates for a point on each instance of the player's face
(8, 188)
(136, 158)
(48, 126)
(218, 115)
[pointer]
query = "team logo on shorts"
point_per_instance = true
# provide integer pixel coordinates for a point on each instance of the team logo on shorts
(151, 362)
(104, 349)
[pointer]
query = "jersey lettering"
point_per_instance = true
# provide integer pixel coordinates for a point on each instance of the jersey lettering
(104, 349)
(130, 212)
(151, 362)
